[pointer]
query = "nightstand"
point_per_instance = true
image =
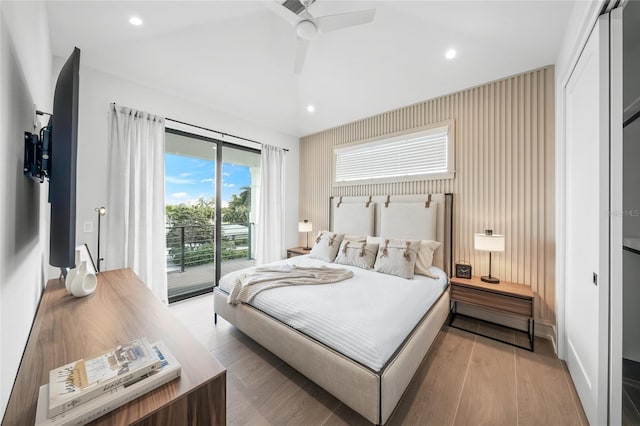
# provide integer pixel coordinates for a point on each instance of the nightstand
(504, 297)
(297, 251)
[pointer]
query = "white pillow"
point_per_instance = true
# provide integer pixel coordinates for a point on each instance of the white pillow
(358, 254)
(397, 257)
(374, 240)
(425, 257)
(355, 238)
(326, 246)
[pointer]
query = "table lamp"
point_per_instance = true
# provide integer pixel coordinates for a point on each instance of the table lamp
(489, 242)
(307, 227)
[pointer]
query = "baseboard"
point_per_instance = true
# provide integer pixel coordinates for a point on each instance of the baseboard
(548, 331)
(543, 329)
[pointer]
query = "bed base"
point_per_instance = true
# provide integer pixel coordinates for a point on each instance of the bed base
(372, 394)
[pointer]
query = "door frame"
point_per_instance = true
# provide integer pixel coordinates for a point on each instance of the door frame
(220, 145)
(616, 210)
(563, 73)
(614, 329)
(593, 385)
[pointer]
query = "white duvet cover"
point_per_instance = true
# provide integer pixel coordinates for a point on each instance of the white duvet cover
(365, 318)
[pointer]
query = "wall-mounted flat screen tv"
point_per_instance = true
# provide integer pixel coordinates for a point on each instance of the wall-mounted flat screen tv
(63, 154)
(52, 154)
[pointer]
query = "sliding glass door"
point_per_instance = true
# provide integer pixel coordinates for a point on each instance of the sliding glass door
(210, 193)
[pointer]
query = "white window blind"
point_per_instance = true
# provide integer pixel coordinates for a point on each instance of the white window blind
(424, 154)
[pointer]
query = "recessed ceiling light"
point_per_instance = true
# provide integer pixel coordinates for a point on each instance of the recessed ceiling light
(451, 53)
(311, 108)
(134, 20)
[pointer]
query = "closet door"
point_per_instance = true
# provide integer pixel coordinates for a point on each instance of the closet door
(587, 223)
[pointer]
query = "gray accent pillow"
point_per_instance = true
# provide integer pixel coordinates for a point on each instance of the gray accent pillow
(357, 253)
(397, 257)
(326, 246)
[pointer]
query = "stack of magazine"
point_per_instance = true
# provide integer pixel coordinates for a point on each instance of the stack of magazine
(82, 391)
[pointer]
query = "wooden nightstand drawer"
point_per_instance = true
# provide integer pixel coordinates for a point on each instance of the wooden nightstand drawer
(297, 251)
(504, 298)
(493, 301)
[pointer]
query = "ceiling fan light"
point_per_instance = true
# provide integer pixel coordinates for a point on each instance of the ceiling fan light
(306, 29)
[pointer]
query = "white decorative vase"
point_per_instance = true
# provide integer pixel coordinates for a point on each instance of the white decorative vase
(72, 273)
(84, 282)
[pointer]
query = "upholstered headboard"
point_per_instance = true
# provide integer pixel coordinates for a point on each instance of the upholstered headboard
(354, 218)
(417, 217)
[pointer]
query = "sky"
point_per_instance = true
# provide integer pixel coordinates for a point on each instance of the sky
(188, 178)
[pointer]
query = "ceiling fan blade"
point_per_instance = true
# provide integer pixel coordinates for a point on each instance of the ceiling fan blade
(344, 20)
(301, 53)
(277, 7)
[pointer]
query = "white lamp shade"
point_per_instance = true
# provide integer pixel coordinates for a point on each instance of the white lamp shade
(305, 226)
(489, 242)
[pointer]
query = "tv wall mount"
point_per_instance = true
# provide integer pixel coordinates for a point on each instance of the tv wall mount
(36, 151)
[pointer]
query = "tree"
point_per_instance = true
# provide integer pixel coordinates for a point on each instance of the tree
(239, 207)
(197, 222)
(202, 212)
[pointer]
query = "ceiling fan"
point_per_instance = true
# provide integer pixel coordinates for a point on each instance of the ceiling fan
(296, 12)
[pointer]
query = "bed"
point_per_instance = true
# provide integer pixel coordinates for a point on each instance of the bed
(362, 339)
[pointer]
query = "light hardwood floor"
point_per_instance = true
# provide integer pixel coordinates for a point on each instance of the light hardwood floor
(464, 380)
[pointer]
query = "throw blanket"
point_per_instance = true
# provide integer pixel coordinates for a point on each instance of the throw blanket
(247, 286)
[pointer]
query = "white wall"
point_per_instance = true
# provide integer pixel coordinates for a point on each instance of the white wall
(98, 90)
(25, 78)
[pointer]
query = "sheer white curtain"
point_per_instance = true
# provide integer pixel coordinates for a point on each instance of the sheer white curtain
(270, 227)
(134, 224)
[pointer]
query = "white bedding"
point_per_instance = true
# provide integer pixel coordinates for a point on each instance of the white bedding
(365, 318)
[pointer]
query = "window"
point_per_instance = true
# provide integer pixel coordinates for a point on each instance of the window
(423, 155)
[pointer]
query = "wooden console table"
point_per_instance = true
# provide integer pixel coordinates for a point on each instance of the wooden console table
(122, 308)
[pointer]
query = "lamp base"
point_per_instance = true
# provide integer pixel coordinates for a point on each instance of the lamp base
(490, 280)
(306, 248)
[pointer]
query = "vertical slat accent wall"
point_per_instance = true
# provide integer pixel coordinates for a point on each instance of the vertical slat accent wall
(504, 159)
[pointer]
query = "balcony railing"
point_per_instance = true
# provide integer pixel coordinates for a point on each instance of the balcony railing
(194, 245)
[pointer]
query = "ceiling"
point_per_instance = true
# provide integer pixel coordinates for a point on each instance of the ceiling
(237, 56)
